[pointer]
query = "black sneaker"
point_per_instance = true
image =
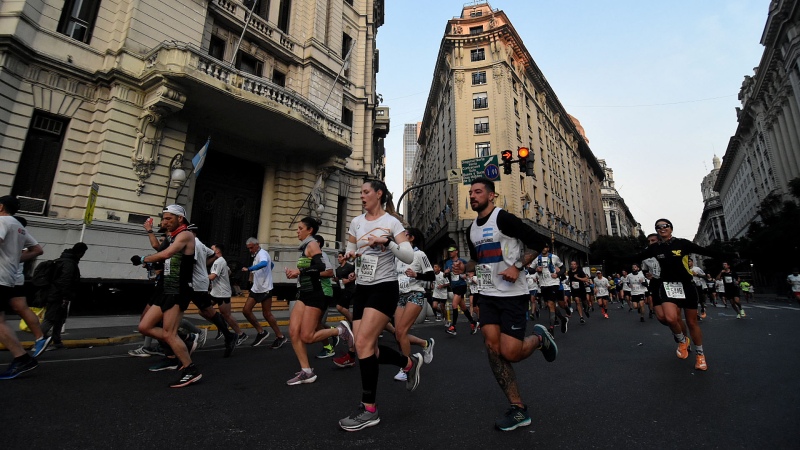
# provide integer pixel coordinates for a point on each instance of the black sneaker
(586, 311)
(189, 375)
(165, 364)
(564, 325)
(19, 367)
(514, 418)
(583, 321)
(278, 342)
(360, 419)
(260, 338)
(549, 348)
(241, 338)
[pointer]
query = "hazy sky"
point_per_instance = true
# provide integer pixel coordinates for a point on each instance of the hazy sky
(654, 84)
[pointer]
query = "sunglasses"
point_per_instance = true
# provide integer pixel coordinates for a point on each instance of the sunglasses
(662, 226)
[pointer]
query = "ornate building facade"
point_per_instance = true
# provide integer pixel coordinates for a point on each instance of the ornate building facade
(123, 94)
(619, 220)
(764, 154)
(712, 223)
(488, 95)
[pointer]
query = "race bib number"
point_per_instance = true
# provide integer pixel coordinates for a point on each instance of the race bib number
(367, 265)
(588, 289)
(484, 274)
(341, 284)
(576, 284)
(728, 280)
(167, 266)
(404, 282)
(454, 277)
(674, 290)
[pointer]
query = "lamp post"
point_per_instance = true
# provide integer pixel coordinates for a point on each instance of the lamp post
(176, 175)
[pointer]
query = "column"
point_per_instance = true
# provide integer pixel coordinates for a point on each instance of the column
(267, 199)
(792, 118)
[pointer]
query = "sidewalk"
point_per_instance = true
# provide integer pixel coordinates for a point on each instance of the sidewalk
(93, 331)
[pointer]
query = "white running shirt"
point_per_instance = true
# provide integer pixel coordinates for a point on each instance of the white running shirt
(374, 265)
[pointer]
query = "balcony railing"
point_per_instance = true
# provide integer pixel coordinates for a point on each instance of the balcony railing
(235, 10)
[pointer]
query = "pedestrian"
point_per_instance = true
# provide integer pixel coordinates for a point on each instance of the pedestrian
(260, 293)
(578, 280)
(730, 280)
(178, 260)
(793, 280)
(638, 283)
(62, 290)
(458, 284)
(221, 296)
(601, 290)
(13, 238)
(497, 241)
(376, 239)
(549, 267)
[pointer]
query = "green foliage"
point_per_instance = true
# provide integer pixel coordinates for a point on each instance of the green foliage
(614, 251)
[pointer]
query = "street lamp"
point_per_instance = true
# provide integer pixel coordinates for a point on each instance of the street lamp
(176, 177)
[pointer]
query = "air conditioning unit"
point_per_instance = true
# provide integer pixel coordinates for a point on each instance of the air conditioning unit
(29, 205)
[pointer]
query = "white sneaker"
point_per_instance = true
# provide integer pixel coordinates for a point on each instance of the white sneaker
(401, 376)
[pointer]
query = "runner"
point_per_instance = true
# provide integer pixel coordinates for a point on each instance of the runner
(548, 267)
(626, 292)
(497, 240)
(794, 282)
(601, 286)
(532, 279)
(260, 293)
(440, 285)
(221, 296)
(746, 290)
(376, 238)
(720, 288)
(345, 286)
(731, 281)
(710, 286)
(699, 283)
(637, 281)
(458, 284)
(578, 280)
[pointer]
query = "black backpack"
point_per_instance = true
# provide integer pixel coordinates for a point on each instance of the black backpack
(43, 274)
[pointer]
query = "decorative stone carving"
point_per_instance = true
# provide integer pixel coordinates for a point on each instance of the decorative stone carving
(459, 79)
(497, 74)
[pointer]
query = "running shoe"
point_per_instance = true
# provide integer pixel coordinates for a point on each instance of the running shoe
(586, 311)
(241, 338)
(703, 314)
(744, 314)
(548, 347)
(335, 340)
(154, 351)
(17, 368)
(551, 330)
(605, 315)
(438, 318)
(564, 325)
(651, 314)
(683, 349)
(451, 330)
(345, 361)
(195, 342)
(137, 352)
(230, 345)
(302, 377)
(739, 315)
(473, 327)
(360, 419)
(165, 364)
(700, 362)
(401, 376)
(278, 342)
(347, 334)
(427, 354)
(583, 321)
(189, 375)
(219, 335)
(427, 319)
(514, 418)
(203, 337)
(447, 324)
(260, 337)
(326, 352)
(41, 344)
(413, 375)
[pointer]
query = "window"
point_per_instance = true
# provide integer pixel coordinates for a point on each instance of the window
(284, 13)
(480, 100)
(478, 78)
(476, 30)
(519, 135)
(514, 86)
(249, 64)
(477, 54)
(216, 48)
(39, 160)
(77, 19)
(279, 78)
(481, 125)
(516, 107)
(482, 149)
(261, 7)
(475, 13)
(349, 2)
(347, 41)
(347, 116)
(528, 119)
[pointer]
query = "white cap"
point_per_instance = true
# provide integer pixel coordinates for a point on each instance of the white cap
(177, 210)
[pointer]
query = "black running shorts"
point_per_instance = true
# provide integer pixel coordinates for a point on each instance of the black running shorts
(382, 297)
(508, 312)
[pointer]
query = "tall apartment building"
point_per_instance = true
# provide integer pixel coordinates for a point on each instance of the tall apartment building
(619, 220)
(122, 93)
(410, 148)
(712, 223)
(488, 95)
(764, 154)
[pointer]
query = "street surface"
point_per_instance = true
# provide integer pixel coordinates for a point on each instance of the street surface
(616, 384)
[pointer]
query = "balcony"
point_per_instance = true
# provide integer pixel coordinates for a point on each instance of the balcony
(224, 98)
(234, 13)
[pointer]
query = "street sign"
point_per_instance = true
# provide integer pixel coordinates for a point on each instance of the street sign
(486, 166)
(90, 202)
(454, 175)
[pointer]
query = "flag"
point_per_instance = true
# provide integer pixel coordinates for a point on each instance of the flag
(200, 158)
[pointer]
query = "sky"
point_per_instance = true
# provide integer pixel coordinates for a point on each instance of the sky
(654, 84)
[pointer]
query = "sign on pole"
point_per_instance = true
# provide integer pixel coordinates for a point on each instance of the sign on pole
(454, 175)
(485, 166)
(90, 202)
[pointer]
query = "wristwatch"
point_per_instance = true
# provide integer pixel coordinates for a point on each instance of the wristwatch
(519, 265)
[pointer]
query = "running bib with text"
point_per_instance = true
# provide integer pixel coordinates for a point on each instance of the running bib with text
(166, 266)
(484, 275)
(728, 280)
(576, 284)
(404, 282)
(366, 266)
(674, 290)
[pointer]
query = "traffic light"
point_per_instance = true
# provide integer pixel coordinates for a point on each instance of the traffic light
(507, 157)
(525, 164)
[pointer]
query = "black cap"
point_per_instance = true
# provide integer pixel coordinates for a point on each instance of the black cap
(10, 203)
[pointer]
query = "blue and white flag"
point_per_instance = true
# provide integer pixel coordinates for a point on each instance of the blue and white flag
(200, 158)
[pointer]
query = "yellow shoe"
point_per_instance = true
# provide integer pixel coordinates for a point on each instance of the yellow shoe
(683, 349)
(700, 363)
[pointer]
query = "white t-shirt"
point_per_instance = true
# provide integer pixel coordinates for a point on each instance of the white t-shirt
(636, 282)
(419, 265)
(14, 238)
(795, 280)
(221, 285)
(200, 271)
(545, 262)
(698, 273)
(262, 278)
(720, 286)
(375, 265)
(532, 278)
(441, 280)
(601, 286)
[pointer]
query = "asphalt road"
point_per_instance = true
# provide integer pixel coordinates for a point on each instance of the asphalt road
(616, 384)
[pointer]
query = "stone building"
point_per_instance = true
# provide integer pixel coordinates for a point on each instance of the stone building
(488, 95)
(121, 93)
(619, 220)
(410, 150)
(712, 223)
(763, 156)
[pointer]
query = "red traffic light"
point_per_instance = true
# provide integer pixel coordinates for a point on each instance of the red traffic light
(507, 155)
(523, 152)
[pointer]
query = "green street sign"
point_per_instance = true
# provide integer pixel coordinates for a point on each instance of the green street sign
(485, 166)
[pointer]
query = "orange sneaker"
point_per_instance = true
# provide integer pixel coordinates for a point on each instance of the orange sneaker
(703, 315)
(700, 363)
(683, 349)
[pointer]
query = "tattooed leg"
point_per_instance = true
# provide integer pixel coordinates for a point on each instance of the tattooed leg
(505, 376)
